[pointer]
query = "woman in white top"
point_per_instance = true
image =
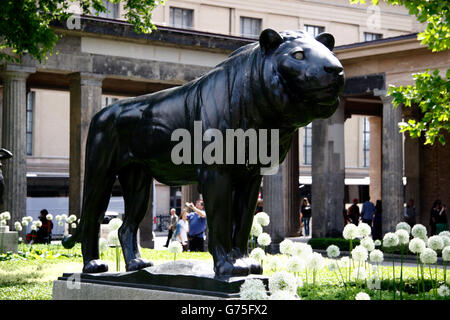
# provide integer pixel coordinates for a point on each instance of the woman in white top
(181, 233)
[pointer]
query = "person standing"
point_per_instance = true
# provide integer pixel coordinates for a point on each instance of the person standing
(182, 230)
(44, 233)
(172, 225)
(353, 212)
(376, 222)
(438, 218)
(197, 226)
(367, 212)
(410, 213)
(306, 215)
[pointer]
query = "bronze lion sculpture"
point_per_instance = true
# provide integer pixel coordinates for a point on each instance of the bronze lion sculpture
(283, 81)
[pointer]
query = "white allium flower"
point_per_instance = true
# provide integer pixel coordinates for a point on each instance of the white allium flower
(17, 225)
(377, 243)
(283, 295)
(49, 217)
(283, 281)
(403, 226)
(419, 231)
(428, 256)
(302, 250)
(262, 218)
(258, 254)
(73, 225)
(446, 253)
(364, 229)
(390, 239)
(332, 265)
(102, 245)
(113, 238)
(360, 274)
(295, 264)
(362, 296)
(376, 256)
(24, 223)
(33, 227)
(58, 218)
(368, 243)
(444, 234)
(350, 231)
(253, 289)
(115, 224)
(20, 239)
(256, 229)
(264, 239)
(360, 253)
(315, 261)
(38, 223)
(416, 245)
(436, 243)
(286, 247)
(64, 217)
(175, 247)
(344, 262)
(6, 215)
(272, 263)
(71, 219)
(60, 223)
(446, 240)
(333, 251)
(374, 283)
(444, 291)
(403, 236)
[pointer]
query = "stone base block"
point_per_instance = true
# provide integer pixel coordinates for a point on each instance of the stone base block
(179, 280)
(9, 241)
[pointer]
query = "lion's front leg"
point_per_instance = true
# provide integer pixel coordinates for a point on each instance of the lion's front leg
(217, 194)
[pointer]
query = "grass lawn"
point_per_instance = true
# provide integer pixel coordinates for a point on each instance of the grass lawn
(31, 278)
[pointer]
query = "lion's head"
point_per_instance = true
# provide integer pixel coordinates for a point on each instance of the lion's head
(306, 69)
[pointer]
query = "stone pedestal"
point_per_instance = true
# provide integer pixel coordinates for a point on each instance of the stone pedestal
(8, 240)
(178, 280)
(392, 165)
(85, 102)
(14, 138)
(328, 173)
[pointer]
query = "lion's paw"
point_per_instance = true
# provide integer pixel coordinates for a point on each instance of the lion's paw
(95, 266)
(138, 264)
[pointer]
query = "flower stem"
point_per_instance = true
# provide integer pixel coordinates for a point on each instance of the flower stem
(393, 273)
(401, 272)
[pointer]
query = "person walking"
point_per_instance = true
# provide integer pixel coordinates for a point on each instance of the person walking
(410, 213)
(353, 212)
(376, 222)
(197, 226)
(172, 225)
(367, 212)
(306, 215)
(181, 230)
(438, 218)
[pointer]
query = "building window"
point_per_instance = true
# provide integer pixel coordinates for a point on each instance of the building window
(366, 142)
(250, 27)
(314, 30)
(112, 10)
(31, 99)
(181, 18)
(307, 144)
(368, 36)
(175, 199)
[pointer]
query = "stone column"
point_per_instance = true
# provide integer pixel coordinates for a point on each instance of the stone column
(189, 193)
(14, 138)
(85, 101)
(328, 173)
(281, 199)
(392, 165)
(375, 158)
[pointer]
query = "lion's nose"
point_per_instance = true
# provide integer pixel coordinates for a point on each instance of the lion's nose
(333, 69)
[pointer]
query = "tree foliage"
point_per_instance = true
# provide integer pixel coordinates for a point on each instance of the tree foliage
(430, 91)
(25, 24)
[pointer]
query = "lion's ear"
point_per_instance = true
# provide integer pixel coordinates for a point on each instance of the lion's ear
(326, 39)
(269, 40)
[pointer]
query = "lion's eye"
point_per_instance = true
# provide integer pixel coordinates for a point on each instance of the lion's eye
(299, 55)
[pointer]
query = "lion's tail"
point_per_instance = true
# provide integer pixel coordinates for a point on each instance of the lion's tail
(69, 241)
